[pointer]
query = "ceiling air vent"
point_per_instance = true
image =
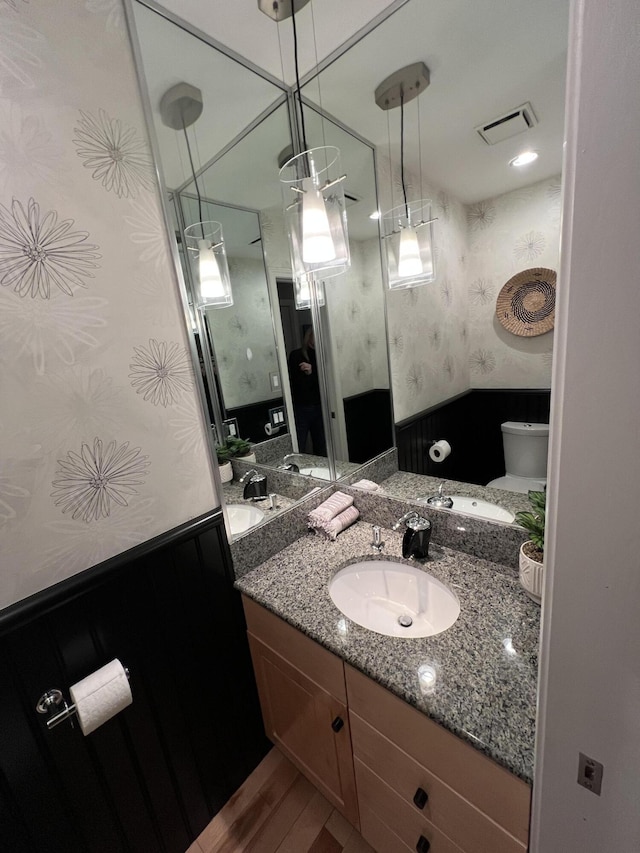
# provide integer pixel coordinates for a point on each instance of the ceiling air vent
(510, 124)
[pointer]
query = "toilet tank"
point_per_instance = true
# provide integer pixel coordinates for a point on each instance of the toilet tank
(525, 449)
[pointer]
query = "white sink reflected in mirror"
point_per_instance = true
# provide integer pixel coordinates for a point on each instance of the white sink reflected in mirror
(322, 473)
(394, 599)
(483, 509)
(242, 517)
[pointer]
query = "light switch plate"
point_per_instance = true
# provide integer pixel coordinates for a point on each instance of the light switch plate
(230, 426)
(589, 773)
(276, 417)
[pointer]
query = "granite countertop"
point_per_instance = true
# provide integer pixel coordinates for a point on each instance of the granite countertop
(408, 486)
(486, 663)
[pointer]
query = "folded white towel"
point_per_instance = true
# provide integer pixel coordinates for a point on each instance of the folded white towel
(369, 485)
(338, 524)
(328, 509)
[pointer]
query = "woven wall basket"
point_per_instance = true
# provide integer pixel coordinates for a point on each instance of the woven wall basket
(526, 305)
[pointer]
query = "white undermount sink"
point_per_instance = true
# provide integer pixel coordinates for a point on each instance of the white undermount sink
(483, 509)
(320, 472)
(394, 599)
(242, 517)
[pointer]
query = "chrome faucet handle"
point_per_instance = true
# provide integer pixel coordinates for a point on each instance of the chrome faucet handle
(440, 500)
(250, 472)
(378, 543)
(403, 520)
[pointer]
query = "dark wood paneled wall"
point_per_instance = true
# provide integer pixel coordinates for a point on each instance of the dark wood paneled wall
(471, 424)
(150, 779)
(251, 419)
(368, 422)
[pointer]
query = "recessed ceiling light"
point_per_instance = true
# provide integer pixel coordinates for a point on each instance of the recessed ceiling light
(524, 159)
(375, 215)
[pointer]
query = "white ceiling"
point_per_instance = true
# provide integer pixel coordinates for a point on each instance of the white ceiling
(241, 26)
(485, 57)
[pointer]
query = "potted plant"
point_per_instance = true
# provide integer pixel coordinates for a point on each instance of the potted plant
(240, 448)
(224, 462)
(532, 551)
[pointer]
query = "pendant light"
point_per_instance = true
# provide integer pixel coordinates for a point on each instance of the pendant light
(180, 107)
(302, 291)
(407, 230)
(312, 188)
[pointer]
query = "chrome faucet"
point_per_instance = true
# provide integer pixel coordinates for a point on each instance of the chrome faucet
(289, 466)
(403, 520)
(415, 542)
(440, 500)
(255, 488)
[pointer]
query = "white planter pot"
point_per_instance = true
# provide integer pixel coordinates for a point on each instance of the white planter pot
(226, 472)
(531, 576)
(250, 457)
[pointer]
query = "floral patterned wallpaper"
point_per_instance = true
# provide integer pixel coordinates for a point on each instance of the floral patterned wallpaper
(508, 234)
(243, 337)
(428, 329)
(443, 337)
(355, 308)
(102, 438)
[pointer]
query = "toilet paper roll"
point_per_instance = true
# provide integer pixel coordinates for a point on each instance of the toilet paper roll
(101, 695)
(439, 450)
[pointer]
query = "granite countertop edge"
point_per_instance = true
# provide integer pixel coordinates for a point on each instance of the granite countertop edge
(486, 662)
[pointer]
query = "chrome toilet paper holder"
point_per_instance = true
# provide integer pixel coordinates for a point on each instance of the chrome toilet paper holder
(53, 703)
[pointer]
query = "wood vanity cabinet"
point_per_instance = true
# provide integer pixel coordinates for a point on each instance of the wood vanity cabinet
(304, 705)
(415, 779)
(419, 787)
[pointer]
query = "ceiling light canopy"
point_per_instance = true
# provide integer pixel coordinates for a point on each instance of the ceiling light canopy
(279, 10)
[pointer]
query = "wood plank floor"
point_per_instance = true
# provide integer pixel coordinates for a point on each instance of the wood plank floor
(278, 811)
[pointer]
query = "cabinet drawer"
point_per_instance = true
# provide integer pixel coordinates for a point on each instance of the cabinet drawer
(479, 780)
(321, 666)
(464, 824)
(384, 816)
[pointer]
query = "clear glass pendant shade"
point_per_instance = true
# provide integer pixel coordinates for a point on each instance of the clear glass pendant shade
(208, 259)
(407, 237)
(315, 212)
(303, 289)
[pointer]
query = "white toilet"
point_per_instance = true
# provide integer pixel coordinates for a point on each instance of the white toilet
(525, 456)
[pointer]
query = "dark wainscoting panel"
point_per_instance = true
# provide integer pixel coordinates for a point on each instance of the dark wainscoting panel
(368, 421)
(151, 778)
(471, 424)
(251, 419)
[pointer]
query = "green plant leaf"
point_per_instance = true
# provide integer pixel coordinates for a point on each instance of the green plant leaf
(534, 522)
(538, 500)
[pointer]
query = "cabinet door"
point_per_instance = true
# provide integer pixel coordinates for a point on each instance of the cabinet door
(308, 724)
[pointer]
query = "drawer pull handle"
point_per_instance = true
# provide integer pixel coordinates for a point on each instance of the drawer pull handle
(337, 724)
(423, 845)
(420, 798)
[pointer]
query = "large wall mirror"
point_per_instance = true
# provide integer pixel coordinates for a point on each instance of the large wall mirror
(457, 373)
(399, 369)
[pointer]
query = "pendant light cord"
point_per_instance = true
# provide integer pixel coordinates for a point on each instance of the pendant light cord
(295, 59)
(195, 180)
(404, 187)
